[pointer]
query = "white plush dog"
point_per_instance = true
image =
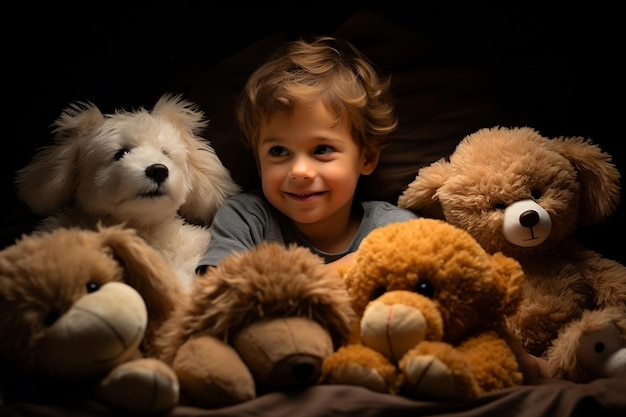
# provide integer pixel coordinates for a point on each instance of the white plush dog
(147, 169)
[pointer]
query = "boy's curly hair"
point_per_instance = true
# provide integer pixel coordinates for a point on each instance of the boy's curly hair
(327, 68)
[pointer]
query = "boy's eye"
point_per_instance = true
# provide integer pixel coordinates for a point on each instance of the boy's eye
(323, 150)
(277, 151)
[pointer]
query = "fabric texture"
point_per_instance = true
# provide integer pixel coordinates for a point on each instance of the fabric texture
(602, 397)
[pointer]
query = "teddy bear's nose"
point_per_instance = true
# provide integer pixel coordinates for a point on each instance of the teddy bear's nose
(297, 371)
(526, 224)
(529, 218)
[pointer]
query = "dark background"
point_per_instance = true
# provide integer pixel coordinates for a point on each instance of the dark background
(555, 67)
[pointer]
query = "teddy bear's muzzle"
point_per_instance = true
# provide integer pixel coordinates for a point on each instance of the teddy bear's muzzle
(284, 353)
(526, 224)
(397, 321)
(102, 330)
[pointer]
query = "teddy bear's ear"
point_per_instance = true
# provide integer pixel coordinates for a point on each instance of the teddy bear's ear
(145, 270)
(598, 177)
(50, 179)
(511, 276)
(209, 181)
(421, 195)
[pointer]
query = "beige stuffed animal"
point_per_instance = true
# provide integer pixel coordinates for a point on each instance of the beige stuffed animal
(432, 306)
(148, 169)
(592, 347)
(79, 314)
(522, 194)
(263, 320)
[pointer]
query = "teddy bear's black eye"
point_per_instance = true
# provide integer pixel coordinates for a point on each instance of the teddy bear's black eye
(536, 194)
(378, 291)
(425, 288)
(51, 318)
(499, 206)
(120, 154)
(92, 287)
(599, 347)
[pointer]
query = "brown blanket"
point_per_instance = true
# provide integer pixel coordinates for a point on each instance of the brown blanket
(551, 398)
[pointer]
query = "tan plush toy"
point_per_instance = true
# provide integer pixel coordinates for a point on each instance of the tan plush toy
(79, 313)
(432, 306)
(522, 194)
(263, 320)
(592, 347)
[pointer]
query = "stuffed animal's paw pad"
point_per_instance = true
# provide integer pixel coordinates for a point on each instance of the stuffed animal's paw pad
(427, 376)
(143, 389)
(355, 374)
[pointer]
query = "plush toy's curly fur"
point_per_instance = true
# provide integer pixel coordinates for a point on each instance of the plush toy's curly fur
(69, 317)
(432, 306)
(522, 194)
(147, 169)
(264, 317)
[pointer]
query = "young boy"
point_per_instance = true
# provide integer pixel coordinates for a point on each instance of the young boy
(316, 117)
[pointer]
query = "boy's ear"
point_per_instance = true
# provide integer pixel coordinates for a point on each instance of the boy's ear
(370, 161)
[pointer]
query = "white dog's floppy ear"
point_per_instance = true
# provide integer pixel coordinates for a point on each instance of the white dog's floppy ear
(209, 181)
(50, 178)
(212, 184)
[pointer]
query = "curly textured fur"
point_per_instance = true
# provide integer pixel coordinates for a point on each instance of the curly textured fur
(147, 169)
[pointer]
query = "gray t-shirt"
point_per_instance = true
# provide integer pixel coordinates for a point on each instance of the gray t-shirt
(247, 219)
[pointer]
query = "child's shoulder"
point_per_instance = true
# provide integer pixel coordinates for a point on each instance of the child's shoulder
(384, 211)
(247, 201)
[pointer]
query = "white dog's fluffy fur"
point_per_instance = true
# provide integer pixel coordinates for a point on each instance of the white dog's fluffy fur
(147, 169)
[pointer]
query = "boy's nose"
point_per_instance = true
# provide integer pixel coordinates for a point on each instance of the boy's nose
(302, 168)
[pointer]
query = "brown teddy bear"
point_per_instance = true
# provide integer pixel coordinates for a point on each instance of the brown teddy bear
(79, 313)
(263, 320)
(522, 194)
(432, 306)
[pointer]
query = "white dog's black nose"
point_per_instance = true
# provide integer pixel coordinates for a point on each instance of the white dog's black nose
(158, 172)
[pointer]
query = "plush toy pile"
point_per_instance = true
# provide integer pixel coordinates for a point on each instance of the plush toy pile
(79, 316)
(525, 195)
(263, 320)
(432, 306)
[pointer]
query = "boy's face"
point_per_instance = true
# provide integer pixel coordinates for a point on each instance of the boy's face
(309, 164)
